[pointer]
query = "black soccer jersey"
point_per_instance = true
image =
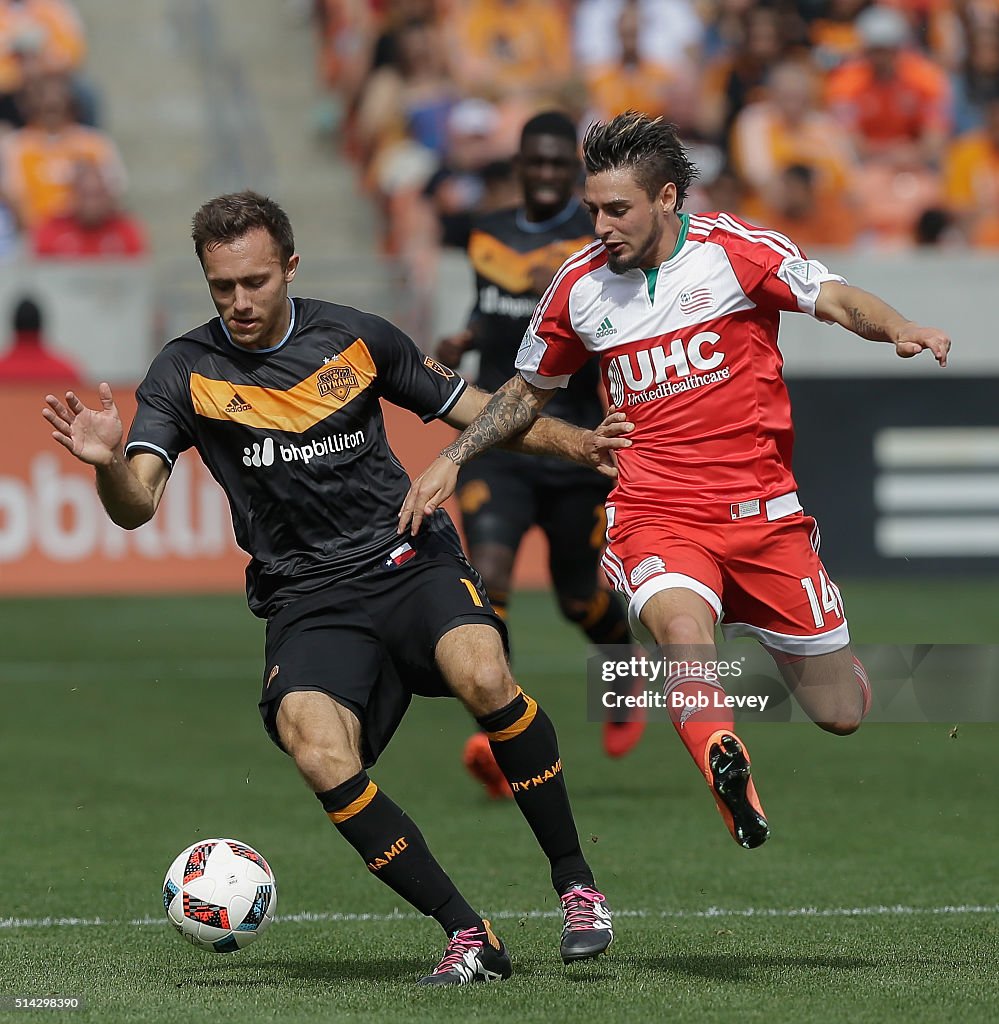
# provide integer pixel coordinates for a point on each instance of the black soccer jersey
(295, 436)
(503, 249)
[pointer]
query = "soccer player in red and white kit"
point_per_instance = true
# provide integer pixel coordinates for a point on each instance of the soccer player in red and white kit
(705, 525)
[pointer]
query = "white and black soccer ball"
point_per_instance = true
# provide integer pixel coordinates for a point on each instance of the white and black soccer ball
(220, 894)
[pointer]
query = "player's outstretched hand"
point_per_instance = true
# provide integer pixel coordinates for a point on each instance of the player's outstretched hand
(609, 437)
(428, 492)
(912, 339)
(92, 435)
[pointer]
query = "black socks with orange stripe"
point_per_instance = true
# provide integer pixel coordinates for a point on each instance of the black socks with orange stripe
(523, 741)
(395, 851)
(602, 617)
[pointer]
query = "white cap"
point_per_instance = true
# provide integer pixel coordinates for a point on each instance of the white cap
(882, 27)
(473, 117)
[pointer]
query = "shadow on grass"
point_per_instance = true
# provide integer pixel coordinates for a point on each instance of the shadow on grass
(740, 967)
(377, 969)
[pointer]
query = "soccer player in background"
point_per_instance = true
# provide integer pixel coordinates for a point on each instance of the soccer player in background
(705, 524)
(280, 397)
(515, 253)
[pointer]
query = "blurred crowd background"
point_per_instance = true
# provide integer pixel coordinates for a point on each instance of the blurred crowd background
(840, 122)
(385, 126)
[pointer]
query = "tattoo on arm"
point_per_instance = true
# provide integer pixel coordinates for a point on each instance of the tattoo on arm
(509, 412)
(862, 324)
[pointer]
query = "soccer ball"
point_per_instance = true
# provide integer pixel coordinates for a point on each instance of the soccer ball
(220, 895)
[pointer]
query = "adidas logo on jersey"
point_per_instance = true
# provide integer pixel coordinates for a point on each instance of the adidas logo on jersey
(606, 328)
(238, 404)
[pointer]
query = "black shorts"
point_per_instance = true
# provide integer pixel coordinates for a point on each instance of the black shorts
(503, 494)
(369, 642)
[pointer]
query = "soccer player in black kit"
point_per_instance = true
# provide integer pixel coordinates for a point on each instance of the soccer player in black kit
(280, 397)
(515, 253)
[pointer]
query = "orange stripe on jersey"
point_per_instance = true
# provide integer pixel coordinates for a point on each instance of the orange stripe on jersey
(329, 389)
(510, 269)
(355, 807)
(520, 725)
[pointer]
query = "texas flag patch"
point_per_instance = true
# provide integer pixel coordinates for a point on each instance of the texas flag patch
(400, 556)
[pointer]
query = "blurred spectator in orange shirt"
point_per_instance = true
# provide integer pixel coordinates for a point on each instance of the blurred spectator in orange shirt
(95, 227)
(45, 35)
(894, 101)
(27, 360)
(37, 161)
(634, 82)
(797, 208)
(972, 179)
(499, 47)
(787, 127)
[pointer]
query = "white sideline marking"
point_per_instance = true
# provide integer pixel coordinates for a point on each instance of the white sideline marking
(516, 915)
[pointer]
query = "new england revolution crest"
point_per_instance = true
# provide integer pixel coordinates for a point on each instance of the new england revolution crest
(337, 381)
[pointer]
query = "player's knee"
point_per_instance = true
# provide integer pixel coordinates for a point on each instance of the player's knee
(486, 686)
(575, 609)
(494, 563)
(323, 763)
(324, 753)
(325, 767)
(685, 630)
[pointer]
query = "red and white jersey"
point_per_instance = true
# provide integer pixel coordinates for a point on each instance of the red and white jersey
(690, 354)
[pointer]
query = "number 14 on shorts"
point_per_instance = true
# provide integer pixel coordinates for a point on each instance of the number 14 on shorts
(823, 599)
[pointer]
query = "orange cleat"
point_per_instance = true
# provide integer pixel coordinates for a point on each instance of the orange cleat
(478, 759)
(621, 738)
(728, 774)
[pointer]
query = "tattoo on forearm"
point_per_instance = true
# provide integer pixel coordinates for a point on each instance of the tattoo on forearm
(509, 412)
(863, 325)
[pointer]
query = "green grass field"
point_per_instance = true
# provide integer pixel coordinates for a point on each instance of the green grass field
(129, 730)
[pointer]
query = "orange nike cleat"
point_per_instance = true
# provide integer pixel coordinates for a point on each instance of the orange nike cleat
(728, 773)
(478, 759)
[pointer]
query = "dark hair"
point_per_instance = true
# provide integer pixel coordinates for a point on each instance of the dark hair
(932, 225)
(27, 315)
(226, 218)
(804, 174)
(550, 122)
(648, 146)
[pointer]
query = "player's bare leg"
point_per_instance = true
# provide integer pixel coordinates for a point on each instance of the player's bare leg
(832, 688)
(324, 739)
(682, 624)
(494, 563)
(522, 737)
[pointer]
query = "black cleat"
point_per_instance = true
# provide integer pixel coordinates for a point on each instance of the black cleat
(735, 794)
(471, 955)
(587, 931)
